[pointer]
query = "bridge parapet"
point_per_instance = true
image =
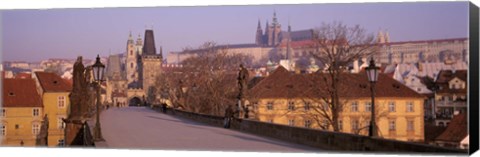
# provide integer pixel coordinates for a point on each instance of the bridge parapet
(318, 138)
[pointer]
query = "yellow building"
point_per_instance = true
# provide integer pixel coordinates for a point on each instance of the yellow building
(54, 91)
(21, 113)
(299, 100)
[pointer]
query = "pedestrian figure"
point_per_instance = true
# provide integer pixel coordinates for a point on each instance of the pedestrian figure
(164, 107)
(228, 116)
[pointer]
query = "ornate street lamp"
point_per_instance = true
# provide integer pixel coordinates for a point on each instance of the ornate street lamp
(98, 71)
(372, 74)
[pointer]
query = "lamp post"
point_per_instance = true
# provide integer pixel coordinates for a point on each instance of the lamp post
(372, 74)
(98, 70)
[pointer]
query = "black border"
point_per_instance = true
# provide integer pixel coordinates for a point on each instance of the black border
(473, 78)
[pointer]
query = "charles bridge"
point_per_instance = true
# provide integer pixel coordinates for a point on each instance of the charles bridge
(149, 128)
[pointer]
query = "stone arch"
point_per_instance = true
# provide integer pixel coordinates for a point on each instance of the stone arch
(135, 101)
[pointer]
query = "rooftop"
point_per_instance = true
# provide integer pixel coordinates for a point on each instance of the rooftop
(284, 84)
(51, 82)
(20, 93)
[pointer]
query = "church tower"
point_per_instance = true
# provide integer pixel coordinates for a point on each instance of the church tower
(272, 32)
(131, 60)
(259, 35)
(276, 30)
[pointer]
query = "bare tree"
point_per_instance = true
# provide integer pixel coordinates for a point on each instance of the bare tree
(336, 46)
(206, 83)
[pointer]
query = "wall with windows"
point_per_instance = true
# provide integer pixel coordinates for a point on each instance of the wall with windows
(20, 124)
(56, 106)
(396, 118)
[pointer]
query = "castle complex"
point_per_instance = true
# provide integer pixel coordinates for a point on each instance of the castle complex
(273, 44)
(130, 81)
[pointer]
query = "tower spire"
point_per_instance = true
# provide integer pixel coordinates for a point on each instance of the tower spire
(258, 26)
(275, 22)
(259, 34)
(289, 28)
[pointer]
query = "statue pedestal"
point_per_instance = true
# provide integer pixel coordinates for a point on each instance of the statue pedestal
(73, 128)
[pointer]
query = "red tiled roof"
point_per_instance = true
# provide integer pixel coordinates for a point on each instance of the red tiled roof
(284, 84)
(456, 130)
(51, 82)
(20, 93)
(23, 75)
(444, 76)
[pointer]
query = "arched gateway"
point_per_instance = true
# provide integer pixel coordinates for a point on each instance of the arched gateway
(135, 101)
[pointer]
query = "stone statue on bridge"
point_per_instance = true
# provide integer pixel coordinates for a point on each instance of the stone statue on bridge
(78, 111)
(242, 80)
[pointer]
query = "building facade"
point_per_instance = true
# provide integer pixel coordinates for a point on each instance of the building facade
(299, 100)
(142, 67)
(451, 95)
(21, 113)
(116, 82)
(56, 101)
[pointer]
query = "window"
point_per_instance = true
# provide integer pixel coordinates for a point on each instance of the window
(410, 125)
(3, 113)
(131, 52)
(391, 125)
(36, 112)
(354, 107)
(61, 101)
(291, 122)
(3, 130)
(291, 105)
(409, 106)
(354, 125)
(35, 129)
(270, 105)
(308, 123)
(391, 106)
(307, 106)
(368, 106)
(60, 123)
(131, 65)
(61, 142)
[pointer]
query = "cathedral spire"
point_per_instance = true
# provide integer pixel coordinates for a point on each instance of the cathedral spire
(275, 22)
(258, 26)
(289, 27)
(259, 34)
(130, 38)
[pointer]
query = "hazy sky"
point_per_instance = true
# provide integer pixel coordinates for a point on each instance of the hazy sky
(34, 35)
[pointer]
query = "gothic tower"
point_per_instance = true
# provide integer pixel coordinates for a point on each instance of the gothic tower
(266, 34)
(259, 35)
(131, 60)
(276, 28)
(151, 64)
(272, 32)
